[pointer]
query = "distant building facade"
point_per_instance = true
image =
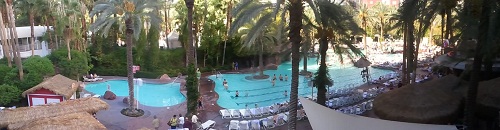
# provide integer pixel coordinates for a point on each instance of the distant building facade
(24, 39)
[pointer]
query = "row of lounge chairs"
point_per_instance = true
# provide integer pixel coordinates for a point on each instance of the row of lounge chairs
(249, 113)
(358, 108)
(85, 79)
(268, 122)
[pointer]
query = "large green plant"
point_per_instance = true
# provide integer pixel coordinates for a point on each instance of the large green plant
(142, 42)
(9, 94)
(153, 54)
(39, 65)
(192, 89)
(74, 68)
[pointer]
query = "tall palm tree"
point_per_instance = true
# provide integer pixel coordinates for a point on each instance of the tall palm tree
(191, 52)
(264, 14)
(13, 36)
(5, 44)
(335, 24)
(129, 15)
(296, 12)
(364, 16)
(31, 7)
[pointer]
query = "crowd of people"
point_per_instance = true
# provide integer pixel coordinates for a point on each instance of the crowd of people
(179, 122)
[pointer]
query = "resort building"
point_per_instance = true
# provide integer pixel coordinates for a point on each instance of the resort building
(24, 39)
(53, 90)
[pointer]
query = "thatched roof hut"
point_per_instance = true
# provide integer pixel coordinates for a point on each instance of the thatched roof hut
(75, 121)
(58, 84)
(489, 93)
(30, 114)
(419, 103)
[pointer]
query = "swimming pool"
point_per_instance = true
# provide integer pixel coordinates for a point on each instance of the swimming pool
(262, 92)
(155, 95)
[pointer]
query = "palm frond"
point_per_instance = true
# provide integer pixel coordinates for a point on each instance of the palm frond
(247, 15)
(257, 29)
(242, 5)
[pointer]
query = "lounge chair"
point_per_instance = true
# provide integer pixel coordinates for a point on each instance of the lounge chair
(282, 119)
(234, 113)
(256, 112)
(234, 125)
(255, 124)
(245, 113)
(265, 111)
(270, 122)
(244, 125)
(207, 125)
(225, 114)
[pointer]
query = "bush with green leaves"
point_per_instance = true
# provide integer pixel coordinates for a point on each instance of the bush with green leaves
(4, 69)
(9, 94)
(74, 68)
(39, 65)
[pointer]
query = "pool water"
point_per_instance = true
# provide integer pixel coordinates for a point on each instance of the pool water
(155, 95)
(262, 93)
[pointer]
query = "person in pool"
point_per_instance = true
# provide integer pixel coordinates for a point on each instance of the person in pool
(274, 77)
(281, 78)
(286, 93)
(237, 94)
(286, 77)
(273, 82)
(225, 84)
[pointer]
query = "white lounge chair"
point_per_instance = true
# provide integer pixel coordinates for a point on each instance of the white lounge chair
(234, 125)
(265, 111)
(255, 124)
(255, 112)
(207, 125)
(225, 114)
(270, 122)
(282, 119)
(245, 113)
(234, 113)
(244, 125)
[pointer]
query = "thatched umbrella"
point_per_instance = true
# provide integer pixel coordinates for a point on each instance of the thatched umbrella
(27, 114)
(362, 63)
(489, 93)
(75, 121)
(419, 103)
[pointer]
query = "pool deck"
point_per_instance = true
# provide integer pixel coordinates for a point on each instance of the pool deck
(114, 120)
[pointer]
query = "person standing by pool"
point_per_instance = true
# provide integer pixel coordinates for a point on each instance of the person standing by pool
(236, 66)
(225, 85)
(181, 122)
(237, 94)
(156, 122)
(200, 105)
(173, 122)
(187, 123)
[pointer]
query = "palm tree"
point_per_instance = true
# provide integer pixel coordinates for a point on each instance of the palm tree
(382, 14)
(249, 10)
(191, 52)
(129, 15)
(5, 44)
(31, 7)
(364, 16)
(13, 36)
(335, 25)
(296, 12)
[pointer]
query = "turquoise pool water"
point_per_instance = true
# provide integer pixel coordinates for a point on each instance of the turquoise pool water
(155, 95)
(262, 92)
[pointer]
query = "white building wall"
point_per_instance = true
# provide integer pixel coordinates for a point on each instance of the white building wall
(23, 34)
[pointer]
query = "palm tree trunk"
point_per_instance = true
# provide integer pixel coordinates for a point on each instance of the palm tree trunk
(470, 104)
(12, 24)
(228, 24)
(448, 23)
(405, 49)
(32, 24)
(84, 34)
(190, 57)
(261, 58)
(5, 43)
(365, 41)
(442, 27)
(167, 25)
(130, 74)
(296, 10)
(322, 78)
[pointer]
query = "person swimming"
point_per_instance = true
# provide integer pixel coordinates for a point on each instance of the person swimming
(286, 77)
(225, 85)
(281, 78)
(237, 94)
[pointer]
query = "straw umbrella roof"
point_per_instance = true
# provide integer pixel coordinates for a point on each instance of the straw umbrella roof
(488, 93)
(58, 84)
(362, 63)
(419, 103)
(74, 121)
(28, 114)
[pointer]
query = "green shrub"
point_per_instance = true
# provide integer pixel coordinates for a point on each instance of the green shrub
(149, 75)
(192, 89)
(4, 69)
(109, 72)
(9, 94)
(39, 65)
(74, 68)
(30, 80)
